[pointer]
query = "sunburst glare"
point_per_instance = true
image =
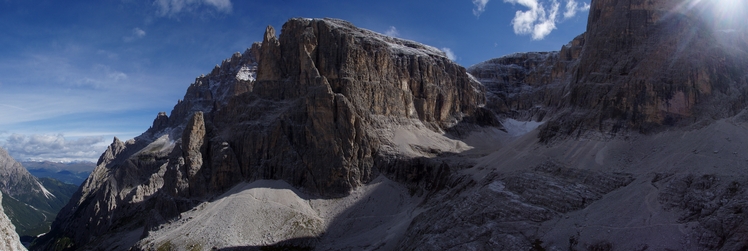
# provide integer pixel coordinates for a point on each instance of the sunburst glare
(723, 15)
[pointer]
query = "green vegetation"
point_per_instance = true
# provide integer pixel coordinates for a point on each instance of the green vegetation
(166, 246)
(63, 243)
(196, 247)
(33, 214)
(28, 221)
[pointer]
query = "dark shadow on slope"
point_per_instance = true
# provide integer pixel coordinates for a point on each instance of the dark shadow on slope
(298, 244)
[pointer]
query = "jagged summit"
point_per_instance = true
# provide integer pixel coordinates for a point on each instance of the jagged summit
(333, 137)
(320, 107)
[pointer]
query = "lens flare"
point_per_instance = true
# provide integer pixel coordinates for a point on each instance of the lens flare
(723, 15)
(729, 14)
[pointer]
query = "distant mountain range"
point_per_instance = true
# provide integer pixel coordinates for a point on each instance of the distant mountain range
(71, 173)
(31, 203)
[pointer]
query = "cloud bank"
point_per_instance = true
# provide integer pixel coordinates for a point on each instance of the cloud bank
(53, 147)
(174, 7)
(540, 17)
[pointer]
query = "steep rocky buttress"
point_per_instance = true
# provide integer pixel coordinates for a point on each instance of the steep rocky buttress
(334, 137)
(317, 107)
(641, 66)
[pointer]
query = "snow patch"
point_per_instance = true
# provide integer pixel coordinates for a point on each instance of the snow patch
(246, 74)
(519, 128)
(496, 186)
(407, 50)
(45, 191)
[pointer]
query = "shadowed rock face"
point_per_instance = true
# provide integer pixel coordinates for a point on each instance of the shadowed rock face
(529, 86)
(315, 116)
(326, 107)
(640, 66)
(652, 63)
(316, 107)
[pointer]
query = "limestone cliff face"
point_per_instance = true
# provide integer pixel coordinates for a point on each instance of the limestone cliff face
(317, 107)
(9, 239)
(649, 63)
(640, 66)
(324, 91)
(529, 86)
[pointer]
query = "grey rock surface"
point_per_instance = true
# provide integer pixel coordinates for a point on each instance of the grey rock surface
(331, 137)
(28, 203)
(319, 107)
(9, 239)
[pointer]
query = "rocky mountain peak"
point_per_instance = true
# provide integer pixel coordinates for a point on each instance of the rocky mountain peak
(16, 180)
(320, 107)
(335, 136)
(112, 151)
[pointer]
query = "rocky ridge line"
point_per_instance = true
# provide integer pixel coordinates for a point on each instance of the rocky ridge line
(317, 107)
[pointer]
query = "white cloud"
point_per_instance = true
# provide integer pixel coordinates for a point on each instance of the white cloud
(572, 7)
(221, 5)
(100, 77)
(14, 107)
(137, 33)
(173, 7)
(480, 7)
(53, 147)
(57, 84)
(392, 32)
(108, 54)
(541, 17)
(450, 54)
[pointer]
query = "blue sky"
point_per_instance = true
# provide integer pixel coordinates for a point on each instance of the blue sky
(74, 74)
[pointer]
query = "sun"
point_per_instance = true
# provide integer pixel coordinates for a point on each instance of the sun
(730, 13)
(722, 14)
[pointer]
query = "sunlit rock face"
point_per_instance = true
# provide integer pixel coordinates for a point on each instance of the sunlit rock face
(317, 107)
(325, 108)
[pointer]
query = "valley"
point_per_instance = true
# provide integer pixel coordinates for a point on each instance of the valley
(327, 136)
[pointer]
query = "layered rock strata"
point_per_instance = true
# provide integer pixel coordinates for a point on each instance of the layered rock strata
(318, 107)
(641, 66)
